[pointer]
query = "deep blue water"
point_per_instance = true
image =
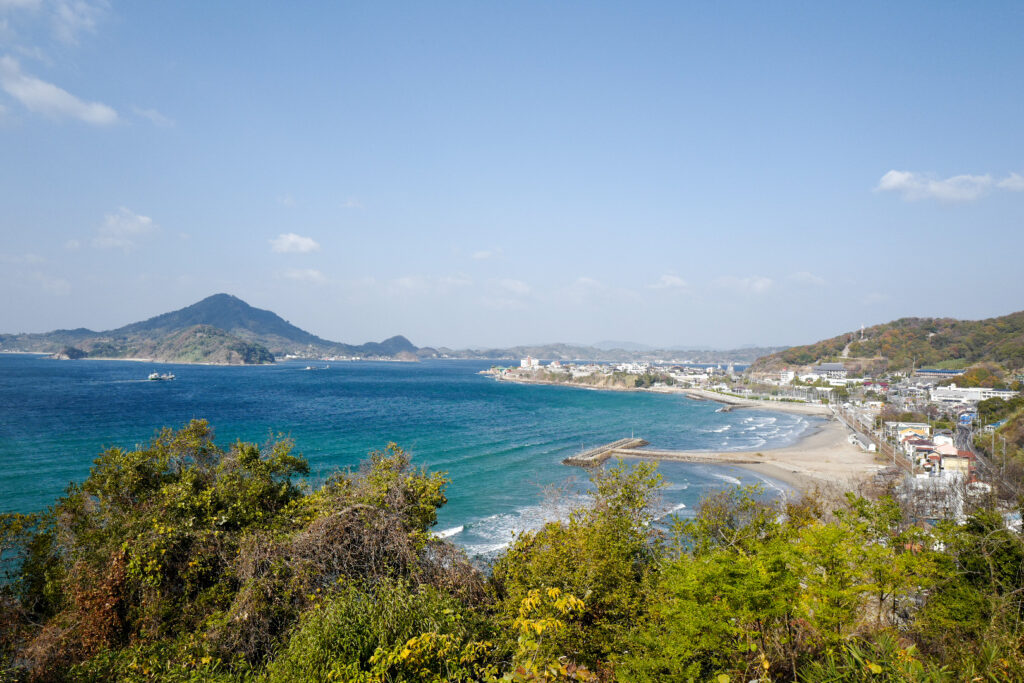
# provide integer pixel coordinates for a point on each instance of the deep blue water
(500, 443)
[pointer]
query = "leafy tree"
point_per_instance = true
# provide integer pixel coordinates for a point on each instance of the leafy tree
(601, 553)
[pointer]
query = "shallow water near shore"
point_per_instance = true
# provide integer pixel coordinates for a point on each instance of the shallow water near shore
(500, 443)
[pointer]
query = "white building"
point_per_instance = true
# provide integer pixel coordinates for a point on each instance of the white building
(955, 394)
(831, 371)
(529, 363)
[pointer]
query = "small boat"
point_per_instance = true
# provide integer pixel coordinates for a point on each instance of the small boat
(156, 376)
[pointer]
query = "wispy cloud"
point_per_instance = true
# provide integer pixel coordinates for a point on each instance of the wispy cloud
(290, 243)
(485, 254)
(515, 287)
(45, 98)
(1013, 182)
(51, 284)
(73, 17)
(309, 275)
(669, 281)
(752, 284)
(123, 230)
(913, 186)
(7, 5)
(807, 279)
(154, 117)
(351, 203)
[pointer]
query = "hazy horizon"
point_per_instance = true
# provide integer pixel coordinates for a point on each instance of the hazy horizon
(481, 176)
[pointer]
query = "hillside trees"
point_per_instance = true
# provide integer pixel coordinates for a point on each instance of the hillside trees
(214, 553)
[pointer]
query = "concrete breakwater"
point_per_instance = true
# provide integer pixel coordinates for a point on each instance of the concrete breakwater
(632, 448)
(592, 457)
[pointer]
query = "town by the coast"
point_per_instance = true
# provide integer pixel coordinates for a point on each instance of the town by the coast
(915, 431)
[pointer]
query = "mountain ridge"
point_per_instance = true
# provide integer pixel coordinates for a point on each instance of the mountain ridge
(220, 328)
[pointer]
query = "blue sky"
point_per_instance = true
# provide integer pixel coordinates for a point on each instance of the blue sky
(485, 174)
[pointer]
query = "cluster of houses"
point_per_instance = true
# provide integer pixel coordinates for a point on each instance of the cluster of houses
(693, 375)
(935, 455)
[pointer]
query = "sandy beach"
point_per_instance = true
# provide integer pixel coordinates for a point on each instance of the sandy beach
(737, 402)
(823, 459)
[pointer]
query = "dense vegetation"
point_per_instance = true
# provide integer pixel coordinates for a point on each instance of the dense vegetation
(921, 341)
(183, 561)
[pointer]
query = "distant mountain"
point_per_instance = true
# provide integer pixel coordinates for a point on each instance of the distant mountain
(219, 329)
(227, 313)
(624, 345)
(916, 342)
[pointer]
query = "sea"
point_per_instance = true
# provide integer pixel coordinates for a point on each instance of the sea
(500, 443)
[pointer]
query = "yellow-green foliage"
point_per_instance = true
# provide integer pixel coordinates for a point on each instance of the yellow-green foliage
(183, 561)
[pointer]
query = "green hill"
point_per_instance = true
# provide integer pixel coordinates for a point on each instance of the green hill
(219, 329)
(916, 342)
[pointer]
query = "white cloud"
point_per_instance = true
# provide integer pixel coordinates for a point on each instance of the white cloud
(290, 243)
(752, 284)
(72, 17)
(351, 203)
(310, 275)
(154, 117)
(286, 200)
(123, 229)
(669, 281)
(451, 281)
(807, 279)
(72, 245)
(510, 286)
(45, 98)
(914, 186)
(485, 254)
(1013, 182)
(8, 5)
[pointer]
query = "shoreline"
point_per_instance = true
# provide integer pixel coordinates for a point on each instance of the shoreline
(733, 402)
(821, 458)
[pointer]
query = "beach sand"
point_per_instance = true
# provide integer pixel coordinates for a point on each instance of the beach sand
(824, 460)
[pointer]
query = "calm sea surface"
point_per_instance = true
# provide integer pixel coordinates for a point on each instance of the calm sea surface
(500, 443)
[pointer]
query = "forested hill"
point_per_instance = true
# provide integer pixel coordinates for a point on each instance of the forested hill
(916, 341)
(219, 329)
(225, 312)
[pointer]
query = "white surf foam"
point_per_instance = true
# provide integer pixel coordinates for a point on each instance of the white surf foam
(448, 533)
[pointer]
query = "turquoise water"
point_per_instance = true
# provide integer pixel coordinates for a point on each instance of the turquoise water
(501, 443)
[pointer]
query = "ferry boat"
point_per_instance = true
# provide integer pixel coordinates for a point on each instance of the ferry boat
(156, 376)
